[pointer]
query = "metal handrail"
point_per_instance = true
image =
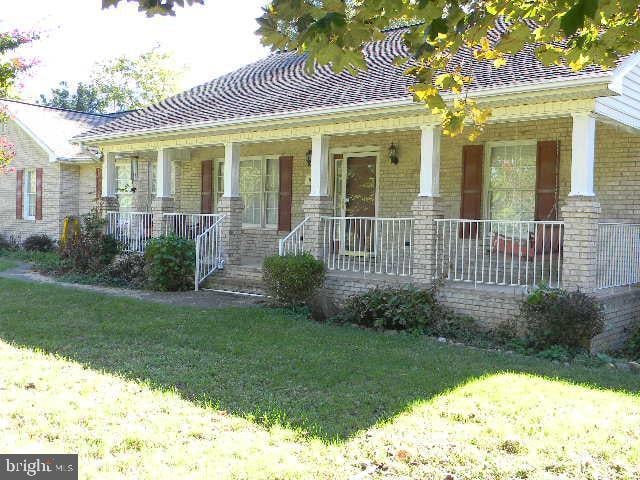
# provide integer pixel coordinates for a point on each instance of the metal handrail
(209, 249)
(297, 245)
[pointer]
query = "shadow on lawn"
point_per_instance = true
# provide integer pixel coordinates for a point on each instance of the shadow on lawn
(329, 381)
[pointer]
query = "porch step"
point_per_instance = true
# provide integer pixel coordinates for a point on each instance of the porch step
(243, 278)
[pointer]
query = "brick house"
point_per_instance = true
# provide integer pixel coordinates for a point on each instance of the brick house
(272, 159)
(51, 177)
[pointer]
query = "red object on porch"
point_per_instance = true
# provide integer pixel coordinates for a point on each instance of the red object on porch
(546, 239)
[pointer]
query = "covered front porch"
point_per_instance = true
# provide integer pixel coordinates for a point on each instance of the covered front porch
(517, 208)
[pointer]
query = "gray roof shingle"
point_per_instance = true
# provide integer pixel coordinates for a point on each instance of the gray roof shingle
(279, 84)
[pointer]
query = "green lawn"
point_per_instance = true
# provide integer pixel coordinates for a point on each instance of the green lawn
(143, 390)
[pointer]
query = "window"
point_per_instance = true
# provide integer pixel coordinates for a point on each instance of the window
(30, 193)
(259, 188)
(154, 177)
(511, 181)
(271, 190)
(123, 177)
(218, 181)
(4, 127)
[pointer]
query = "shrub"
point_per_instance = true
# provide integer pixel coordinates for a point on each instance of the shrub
(89, 251)
(127, 270)
(6, 243)
(632, 349)
(38, 243)
(405, 308)
(292, 280)
(558, 317)
(170, 263)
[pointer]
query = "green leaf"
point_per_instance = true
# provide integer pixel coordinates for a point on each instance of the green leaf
(574, 18)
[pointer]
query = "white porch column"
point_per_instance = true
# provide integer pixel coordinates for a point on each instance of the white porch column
(426, 207)
(163, 173)
(430, 161)
(581, 212)
(319, 166)
(231, 205)
(231, 170)
(109, 198)
(318, 204)
(163, 202)
(583, 140)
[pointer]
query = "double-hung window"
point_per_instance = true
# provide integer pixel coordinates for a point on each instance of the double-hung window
(511, 181)
(218, 180)
(29, 189)
(259, 188)
(123, 177)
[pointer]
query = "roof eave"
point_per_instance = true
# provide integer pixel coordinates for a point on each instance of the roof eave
(603, 79)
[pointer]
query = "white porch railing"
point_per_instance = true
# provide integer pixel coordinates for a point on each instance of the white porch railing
(618, 255)
(209, 251)
(294, 241)
(514, 253)
(131, 229)
(368, 244)
(188, 225)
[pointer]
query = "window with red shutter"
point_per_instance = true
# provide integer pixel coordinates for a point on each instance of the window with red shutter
(206, 196)
(98, 183)
(286, 191)
(547, 169)
(19, 194)
(39, 174)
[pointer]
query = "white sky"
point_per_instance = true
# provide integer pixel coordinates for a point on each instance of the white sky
(210, 40)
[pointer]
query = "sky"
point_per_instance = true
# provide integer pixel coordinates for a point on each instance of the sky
(209, 40)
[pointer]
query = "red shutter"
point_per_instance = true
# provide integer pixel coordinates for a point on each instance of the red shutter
(98, 183)
(38, 193)
(19, 193)
(206, 199)
(547, 180)
(471, 206)
(286, 190)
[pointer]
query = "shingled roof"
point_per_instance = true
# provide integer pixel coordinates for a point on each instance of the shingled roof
(54, 127)
(279, 84)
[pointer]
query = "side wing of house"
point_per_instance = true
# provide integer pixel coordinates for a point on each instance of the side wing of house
(30, 200)
(623, 108)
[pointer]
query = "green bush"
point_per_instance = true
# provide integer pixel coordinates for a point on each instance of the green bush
(127, 270)
(38, 243)
(632, 349)
(170, 263)
(405, 308)
(89, 251)
(557, 317)
(292, 280)
(9, 243)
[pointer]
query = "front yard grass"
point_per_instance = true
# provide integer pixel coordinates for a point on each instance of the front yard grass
(143, 390)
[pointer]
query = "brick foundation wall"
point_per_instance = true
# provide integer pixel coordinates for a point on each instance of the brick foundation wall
(622, 316)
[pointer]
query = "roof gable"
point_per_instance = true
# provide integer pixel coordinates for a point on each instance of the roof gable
(53, 128)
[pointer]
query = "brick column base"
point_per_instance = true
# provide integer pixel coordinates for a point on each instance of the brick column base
(109, 204)
(232, 208)
(425, 210)
(315, 208)
(580, 243)
(159, 206)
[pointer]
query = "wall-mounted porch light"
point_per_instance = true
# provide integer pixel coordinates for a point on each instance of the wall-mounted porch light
(308, 158)
(393, 154)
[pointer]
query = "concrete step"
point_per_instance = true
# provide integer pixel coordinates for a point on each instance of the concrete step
(245, 279)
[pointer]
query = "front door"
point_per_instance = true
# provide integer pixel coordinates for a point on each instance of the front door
(356, 194)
